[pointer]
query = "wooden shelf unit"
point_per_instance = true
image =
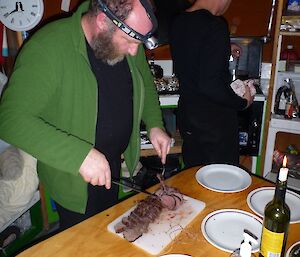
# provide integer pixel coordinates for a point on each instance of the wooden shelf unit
(276, 126)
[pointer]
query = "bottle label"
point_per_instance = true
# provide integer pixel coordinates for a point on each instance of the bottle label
(271, 243)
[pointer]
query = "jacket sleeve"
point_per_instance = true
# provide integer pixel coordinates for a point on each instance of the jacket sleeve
(32, 85)
(151, 116)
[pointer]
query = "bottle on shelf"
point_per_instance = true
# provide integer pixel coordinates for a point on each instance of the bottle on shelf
(276, 219)
(290, 55)
(292, 92)
(289, 110)
(280, 100)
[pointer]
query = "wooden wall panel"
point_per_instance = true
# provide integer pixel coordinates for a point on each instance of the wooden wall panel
(251, 18)
(52, 8)
(245, 18)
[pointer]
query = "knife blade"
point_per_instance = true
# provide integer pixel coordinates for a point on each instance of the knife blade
(163, 170)
(131, 185)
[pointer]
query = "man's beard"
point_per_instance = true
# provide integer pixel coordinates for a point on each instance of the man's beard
(104, 48)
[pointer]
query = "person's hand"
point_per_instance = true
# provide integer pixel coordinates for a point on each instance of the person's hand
(161, 142)
(247, 95)
(95, 169)
(236, 50)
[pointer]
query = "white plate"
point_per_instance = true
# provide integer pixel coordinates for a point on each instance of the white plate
(223, 178)
(258, 199)
(224, 228)
(290, 249)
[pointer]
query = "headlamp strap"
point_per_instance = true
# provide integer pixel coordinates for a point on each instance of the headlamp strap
(124, 27)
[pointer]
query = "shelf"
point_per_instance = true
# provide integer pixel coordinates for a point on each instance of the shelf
(275, 124)
(291, 182)
(259, 98)
(279, 122)
(288, 33)
(172, 100)
(168, 101)
(289, 73)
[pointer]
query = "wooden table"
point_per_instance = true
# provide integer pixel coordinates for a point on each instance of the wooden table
(91, 238)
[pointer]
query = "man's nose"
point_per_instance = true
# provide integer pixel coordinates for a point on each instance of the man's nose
(132, 50)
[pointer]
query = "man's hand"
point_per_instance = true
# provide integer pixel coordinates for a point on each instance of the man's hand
(161, 143)
(236, 50)
(95, 169)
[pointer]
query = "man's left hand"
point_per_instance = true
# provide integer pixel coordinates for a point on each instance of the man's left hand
(161, 142)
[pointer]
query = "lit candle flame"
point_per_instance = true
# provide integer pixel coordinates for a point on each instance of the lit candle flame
(284, 162)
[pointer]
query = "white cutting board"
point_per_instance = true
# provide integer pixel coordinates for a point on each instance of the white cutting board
(166, 227)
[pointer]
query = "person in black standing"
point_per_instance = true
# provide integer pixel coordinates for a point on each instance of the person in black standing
(208, 107)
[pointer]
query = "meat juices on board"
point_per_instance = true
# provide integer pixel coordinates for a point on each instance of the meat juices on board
(148, 210)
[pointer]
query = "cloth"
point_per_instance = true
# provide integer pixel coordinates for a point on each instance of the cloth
(50, 107)
(200, 47)
(239, 87)
(18, 182)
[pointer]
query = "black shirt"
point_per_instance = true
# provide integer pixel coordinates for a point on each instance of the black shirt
(114, 121)
(114, 125)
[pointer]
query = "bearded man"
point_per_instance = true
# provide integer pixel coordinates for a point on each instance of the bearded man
(81, 86)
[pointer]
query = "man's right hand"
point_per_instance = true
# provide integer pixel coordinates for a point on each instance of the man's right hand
(95, 169)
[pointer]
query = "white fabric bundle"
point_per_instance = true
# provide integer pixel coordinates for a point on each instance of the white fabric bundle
(18, 182)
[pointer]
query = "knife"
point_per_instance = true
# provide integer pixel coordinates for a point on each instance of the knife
(131, 185)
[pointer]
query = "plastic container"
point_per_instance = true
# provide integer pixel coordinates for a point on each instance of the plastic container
(246, 246)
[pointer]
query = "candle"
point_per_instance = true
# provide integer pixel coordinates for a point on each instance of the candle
(283, 172)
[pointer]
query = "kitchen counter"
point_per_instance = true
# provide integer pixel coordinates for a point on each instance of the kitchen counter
(91, 238)
(171, 101)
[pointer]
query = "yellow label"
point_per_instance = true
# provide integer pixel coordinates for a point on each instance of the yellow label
(271, 243)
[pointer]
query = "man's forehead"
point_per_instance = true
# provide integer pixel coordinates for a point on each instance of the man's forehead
(138, 18)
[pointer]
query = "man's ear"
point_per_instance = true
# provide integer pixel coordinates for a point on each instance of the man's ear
(101, 22)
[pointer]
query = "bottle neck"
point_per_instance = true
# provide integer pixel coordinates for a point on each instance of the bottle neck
(280, 191)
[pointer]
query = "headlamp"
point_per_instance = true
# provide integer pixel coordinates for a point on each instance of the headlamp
(148, 40)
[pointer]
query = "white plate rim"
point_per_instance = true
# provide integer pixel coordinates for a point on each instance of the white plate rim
(225, 210)
(291, 247)
(210, 166)
(255, 191)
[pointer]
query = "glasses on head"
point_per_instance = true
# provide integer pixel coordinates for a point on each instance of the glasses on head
(148, 40)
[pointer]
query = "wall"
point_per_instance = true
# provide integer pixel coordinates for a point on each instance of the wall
(245, 18)
(251, 18)
(52, 8)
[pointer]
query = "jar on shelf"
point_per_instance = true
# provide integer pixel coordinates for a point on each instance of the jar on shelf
(291, 56)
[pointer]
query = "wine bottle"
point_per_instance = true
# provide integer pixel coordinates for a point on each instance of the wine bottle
(276, 219)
